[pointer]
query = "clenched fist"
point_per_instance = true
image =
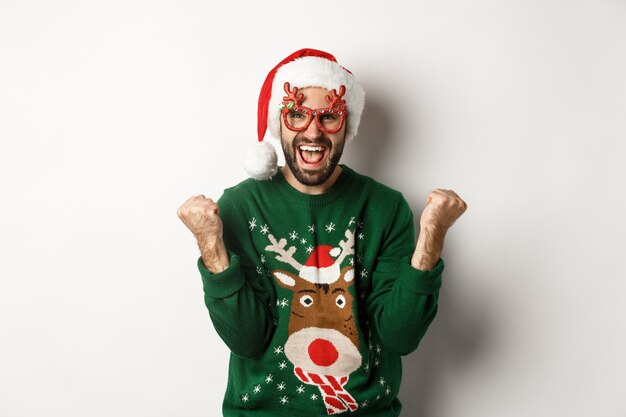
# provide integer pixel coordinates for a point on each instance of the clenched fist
(441, 211)
(201, 216)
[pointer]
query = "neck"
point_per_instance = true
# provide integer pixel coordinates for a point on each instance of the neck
(311, 189)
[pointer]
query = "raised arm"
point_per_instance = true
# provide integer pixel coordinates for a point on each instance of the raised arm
(406, 281)
(237, 300)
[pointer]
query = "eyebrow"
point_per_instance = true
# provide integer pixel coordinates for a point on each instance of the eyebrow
(311, 291)
(337, 289)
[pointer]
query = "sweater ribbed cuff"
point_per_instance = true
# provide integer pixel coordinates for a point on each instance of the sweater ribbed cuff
(420, 282)
(225, 283)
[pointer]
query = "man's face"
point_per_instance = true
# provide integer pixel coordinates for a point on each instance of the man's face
(311, 154)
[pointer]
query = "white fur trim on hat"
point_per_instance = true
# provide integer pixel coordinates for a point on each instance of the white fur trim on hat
(316, 275)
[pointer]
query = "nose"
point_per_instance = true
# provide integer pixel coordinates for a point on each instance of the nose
(313, 131)
(322, 352)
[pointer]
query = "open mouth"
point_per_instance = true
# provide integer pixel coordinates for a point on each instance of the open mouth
(312, 156)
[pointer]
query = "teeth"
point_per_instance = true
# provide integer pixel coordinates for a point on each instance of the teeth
(311, 148)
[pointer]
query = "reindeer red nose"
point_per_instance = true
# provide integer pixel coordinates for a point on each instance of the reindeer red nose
(322, 352)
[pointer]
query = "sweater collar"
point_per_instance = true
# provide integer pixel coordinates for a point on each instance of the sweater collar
(316, 200)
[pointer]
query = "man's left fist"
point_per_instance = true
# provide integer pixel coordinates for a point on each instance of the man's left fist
(442, 210)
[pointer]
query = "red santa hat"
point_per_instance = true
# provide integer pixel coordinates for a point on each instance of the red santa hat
(321, 268)
(303, 68)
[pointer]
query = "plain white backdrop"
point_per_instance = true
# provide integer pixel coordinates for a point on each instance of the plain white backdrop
(113, 113)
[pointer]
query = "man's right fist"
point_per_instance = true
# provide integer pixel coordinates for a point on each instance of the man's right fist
(201, 216)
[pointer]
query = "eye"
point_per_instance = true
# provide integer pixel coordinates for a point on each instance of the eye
(306, 300)
(340, 301)
(297, 115)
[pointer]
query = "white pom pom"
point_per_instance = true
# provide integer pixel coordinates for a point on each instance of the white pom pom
(334, 252)
(261, 161)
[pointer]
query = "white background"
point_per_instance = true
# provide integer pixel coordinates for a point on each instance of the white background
(113, 113)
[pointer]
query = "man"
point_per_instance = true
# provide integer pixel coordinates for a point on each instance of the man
(311, 273)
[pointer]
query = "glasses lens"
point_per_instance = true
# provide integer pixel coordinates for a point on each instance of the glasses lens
(296, 119)
(330, 121)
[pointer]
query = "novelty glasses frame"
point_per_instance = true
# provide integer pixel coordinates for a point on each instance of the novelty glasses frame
(291, 103)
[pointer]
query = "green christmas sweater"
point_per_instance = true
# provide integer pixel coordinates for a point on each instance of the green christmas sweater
(320, 300)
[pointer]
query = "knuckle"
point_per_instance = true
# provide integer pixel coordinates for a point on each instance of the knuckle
(208, 209)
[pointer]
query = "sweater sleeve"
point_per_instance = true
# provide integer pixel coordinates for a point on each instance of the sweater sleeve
(403, 300)
(237, 300)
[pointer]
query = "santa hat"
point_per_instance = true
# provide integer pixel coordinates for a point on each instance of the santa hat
(321, 268)
(303, 68)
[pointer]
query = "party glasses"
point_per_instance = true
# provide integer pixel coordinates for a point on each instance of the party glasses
(328, 119)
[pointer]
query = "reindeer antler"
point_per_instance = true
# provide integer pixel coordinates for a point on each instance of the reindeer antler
(292, 96)
(285, 256)
(347, 247)
(335, 100)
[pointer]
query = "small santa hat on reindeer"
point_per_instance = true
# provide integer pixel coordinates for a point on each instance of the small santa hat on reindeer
(321, 268)
(303, 68)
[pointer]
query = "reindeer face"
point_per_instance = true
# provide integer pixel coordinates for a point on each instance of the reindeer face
(322, 331)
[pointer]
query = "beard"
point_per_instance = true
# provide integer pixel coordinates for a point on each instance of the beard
(312, 177)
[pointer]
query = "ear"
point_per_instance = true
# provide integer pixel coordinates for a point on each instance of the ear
(285, 279)
(347, 273)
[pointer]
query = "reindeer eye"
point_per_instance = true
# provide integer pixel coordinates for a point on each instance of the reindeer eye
(306, 300)
(340, 301)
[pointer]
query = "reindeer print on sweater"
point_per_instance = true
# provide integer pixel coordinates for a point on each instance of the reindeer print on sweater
(322, 341)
